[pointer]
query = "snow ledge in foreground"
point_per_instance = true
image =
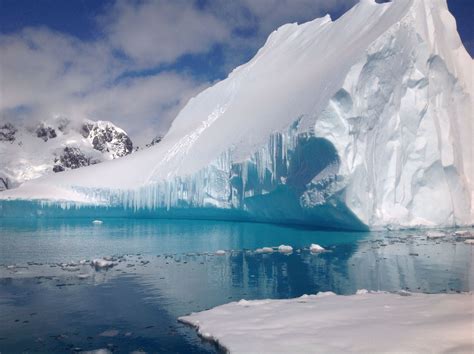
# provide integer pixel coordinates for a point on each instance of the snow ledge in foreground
(365, 322)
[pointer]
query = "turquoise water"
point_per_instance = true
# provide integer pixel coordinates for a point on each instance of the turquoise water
(166, 269)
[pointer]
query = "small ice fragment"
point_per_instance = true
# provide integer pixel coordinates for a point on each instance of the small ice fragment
(469, 242)
(97, 222)
(435, 234)
(264, 250)
(285, 249)
(109, 333)
(464, 233)
(97, 351)
(314, 248)
(83, 276)
(220, 253)
(11, 266)
(102, 263)
(362, 291)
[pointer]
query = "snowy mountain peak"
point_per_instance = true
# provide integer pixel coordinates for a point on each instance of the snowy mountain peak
(107, 138)
(56, 145)
(361, 122)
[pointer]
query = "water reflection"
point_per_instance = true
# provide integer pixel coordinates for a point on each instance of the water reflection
(166, 269)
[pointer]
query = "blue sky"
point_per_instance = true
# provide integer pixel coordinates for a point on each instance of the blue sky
(137, 62)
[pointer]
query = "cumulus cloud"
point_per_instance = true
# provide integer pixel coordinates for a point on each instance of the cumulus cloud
(128, 72)
(156, 96)
(51, 74)
(157, 32)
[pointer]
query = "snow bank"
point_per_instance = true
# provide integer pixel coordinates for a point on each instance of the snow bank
(435, 234)
(328, 323)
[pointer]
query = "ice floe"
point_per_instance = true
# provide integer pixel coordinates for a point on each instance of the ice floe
(327, 323)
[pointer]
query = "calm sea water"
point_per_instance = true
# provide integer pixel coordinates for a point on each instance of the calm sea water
(49, 302)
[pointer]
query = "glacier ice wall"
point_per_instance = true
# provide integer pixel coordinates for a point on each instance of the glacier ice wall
(364, 122)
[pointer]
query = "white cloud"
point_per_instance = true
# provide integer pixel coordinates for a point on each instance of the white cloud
(153, 99)
(50, 73)
(157, 32)
(54, 74)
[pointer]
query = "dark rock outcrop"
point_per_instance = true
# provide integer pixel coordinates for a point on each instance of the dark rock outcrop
(105, 137)
(7, 132)
(155, 141)
(71, 158)
(44, 132)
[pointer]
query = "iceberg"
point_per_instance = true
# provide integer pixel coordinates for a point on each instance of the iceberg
(360, 123)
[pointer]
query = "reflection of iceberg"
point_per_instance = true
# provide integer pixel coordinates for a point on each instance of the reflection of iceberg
(412, 263)
(364, 121)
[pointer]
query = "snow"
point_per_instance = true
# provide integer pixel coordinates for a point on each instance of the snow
(328, 323)
(285, 249)
(315, 248)
(364, 122)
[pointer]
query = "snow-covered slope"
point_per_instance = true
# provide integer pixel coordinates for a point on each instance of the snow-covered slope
(363, 121)
(29, 152)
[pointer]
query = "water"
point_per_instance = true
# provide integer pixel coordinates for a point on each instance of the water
(166, 269)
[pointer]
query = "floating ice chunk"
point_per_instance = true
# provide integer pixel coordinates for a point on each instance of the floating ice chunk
(97, 351)
(109, 333)
(315, 248)
(83, 276)
(220, 253)
(463, 233)
(102, 263)
(435, 234)
(362, 291)
(285, 249)
(97, 222)
(264, 250)
(469, 242)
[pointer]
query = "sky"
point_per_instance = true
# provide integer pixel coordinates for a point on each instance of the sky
(137, 62)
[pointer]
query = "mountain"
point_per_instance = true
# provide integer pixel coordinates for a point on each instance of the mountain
(364, 122)
(29, 152)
